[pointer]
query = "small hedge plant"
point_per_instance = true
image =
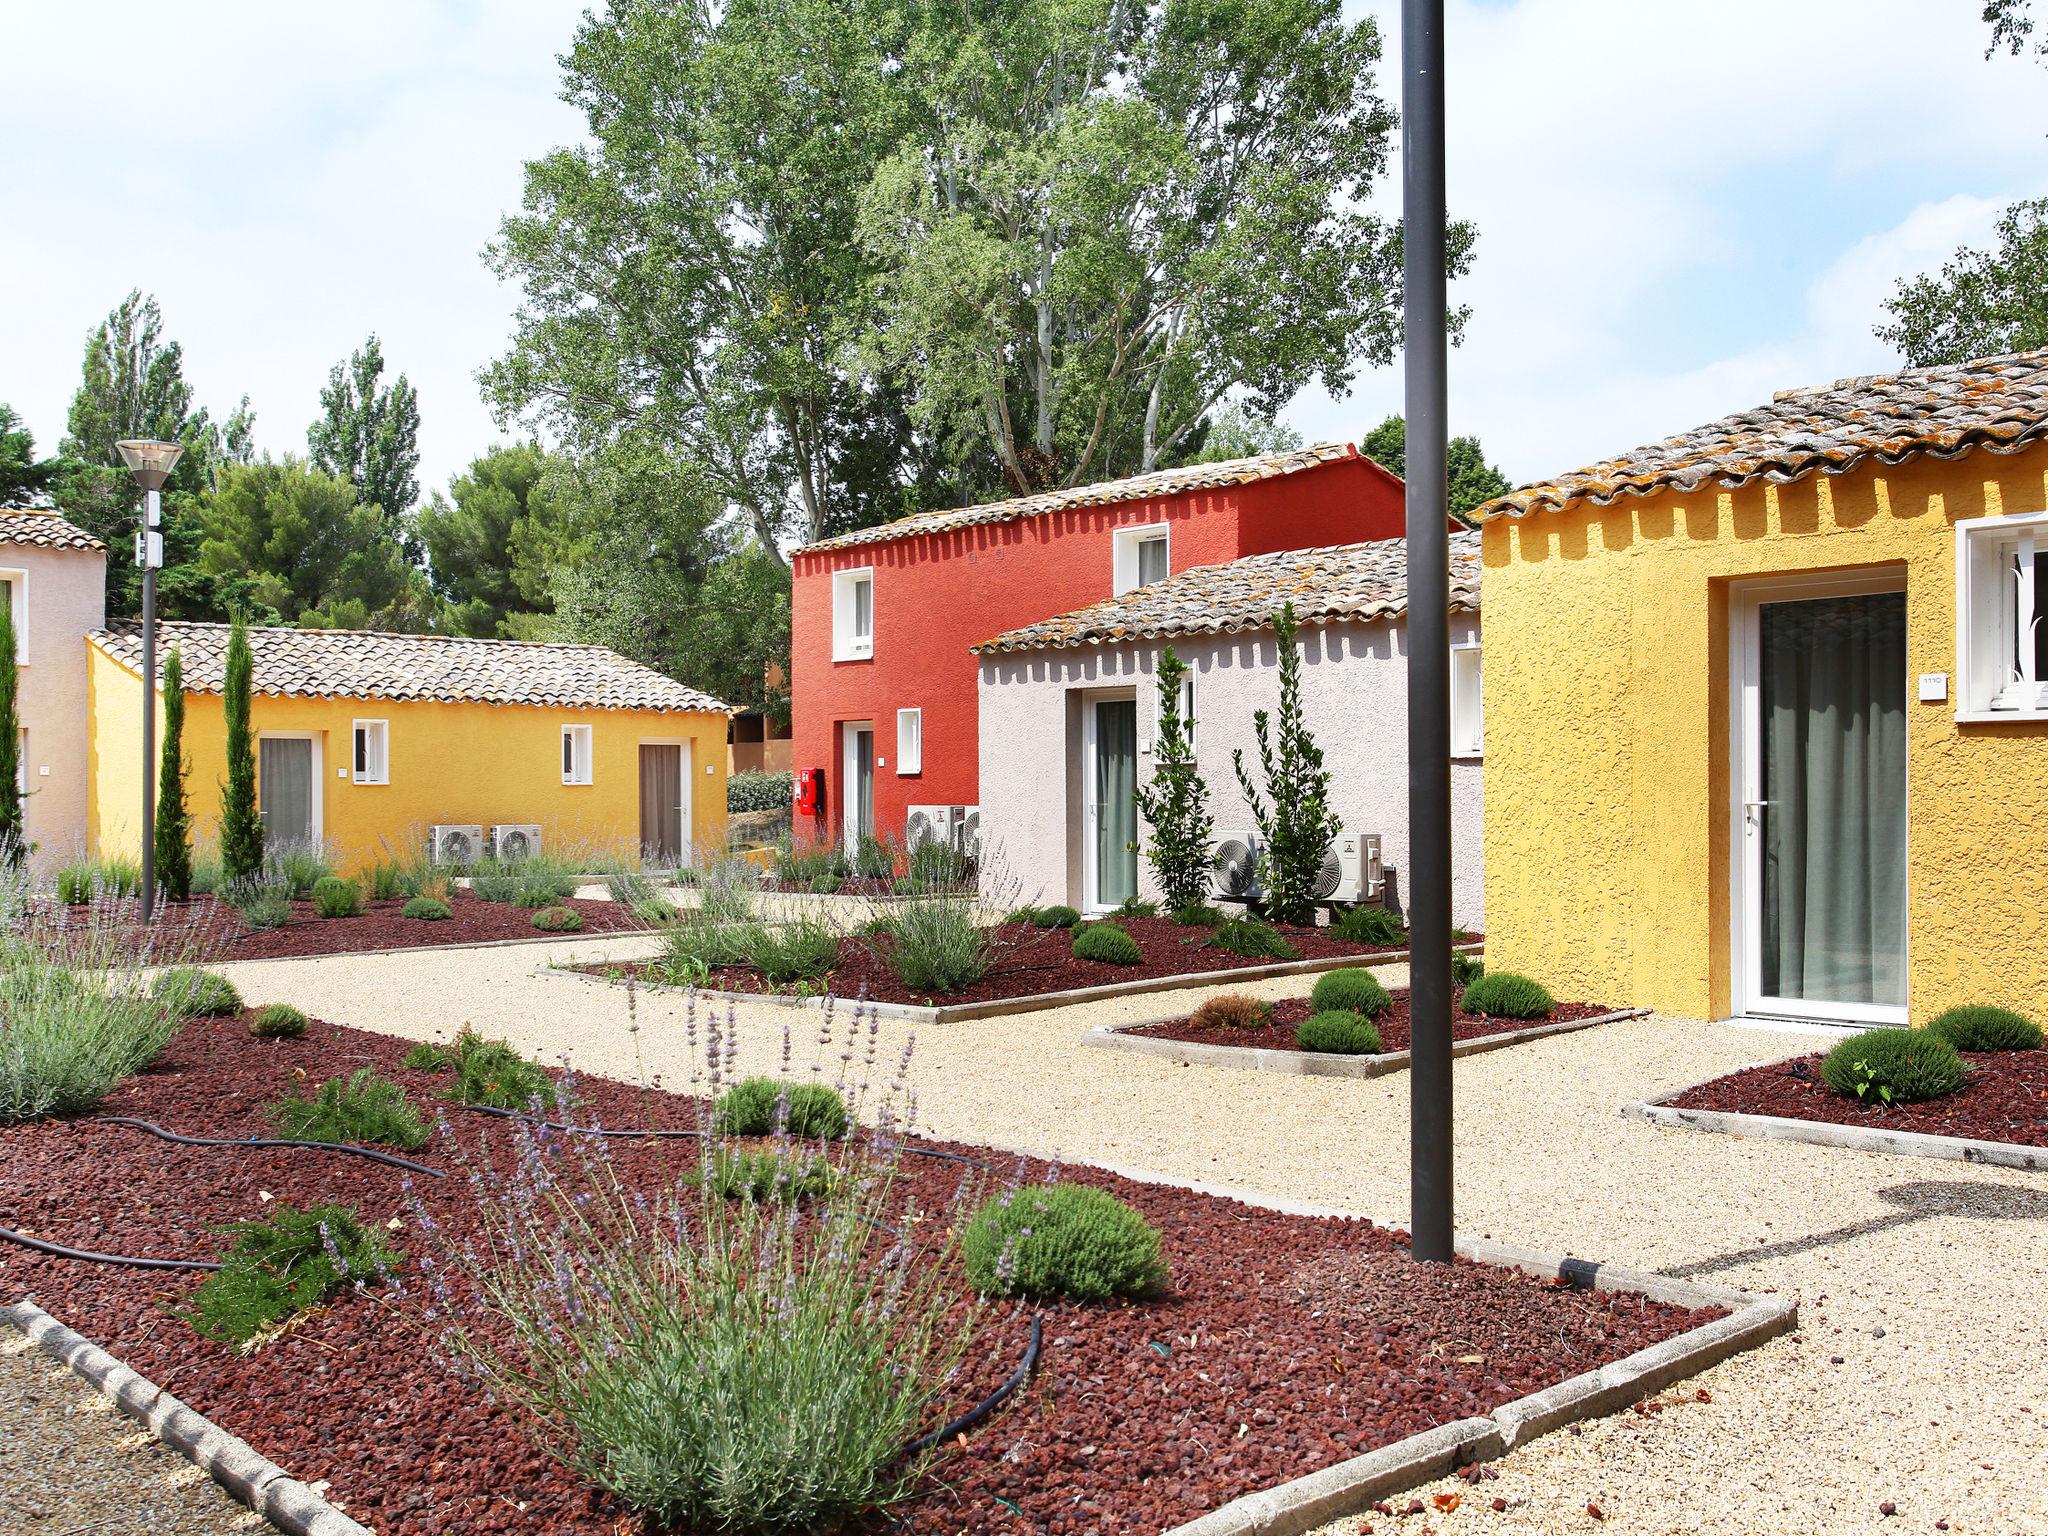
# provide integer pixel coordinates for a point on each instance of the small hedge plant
(1254, 940)
(1466, 969)
(365, 1107)
(1893, 1066)
(425, 909)
(1504, 995)
(280, 1021)
(802, 951)
(1062, 1240)
(1107, 944)
(762, 1177)
(1351, 991)
(487, 1072)
(1339, 1032)
(1977, 1027)
(1233, 1010)
(558, 920)
(1369, 926)
(752, 1108)
(335, 897)
(192, 993)
(1055, 917)
(1196, 916)
(284, 1264)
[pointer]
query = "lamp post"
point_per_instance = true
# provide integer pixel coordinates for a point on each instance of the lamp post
(151, 463)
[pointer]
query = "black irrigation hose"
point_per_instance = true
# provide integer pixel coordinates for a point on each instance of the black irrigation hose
(87, 1254)
(585, 1130)
(266, 1141)
(989, 1404)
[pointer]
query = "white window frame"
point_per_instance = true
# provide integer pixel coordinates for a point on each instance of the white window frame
(578, 761)
(1989, 596)
(17, 591)
(21, 774)
(847, 645)
(1124, 554)
(1468, 700)
(909, 744)
(378, 761)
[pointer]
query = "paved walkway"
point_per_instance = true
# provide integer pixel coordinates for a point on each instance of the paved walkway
(1925, 1280)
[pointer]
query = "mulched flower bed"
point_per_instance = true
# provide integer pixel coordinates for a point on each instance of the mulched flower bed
(2005, 1099)
(1283, 1345)
(1393, 1025)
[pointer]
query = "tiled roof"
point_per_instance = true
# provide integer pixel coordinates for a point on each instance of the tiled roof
(45, 530)
(362, 664)
(1997, 403)
(1160, 482)
(1354, 582)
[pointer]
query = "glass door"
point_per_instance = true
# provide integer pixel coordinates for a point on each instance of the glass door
(858, 818)
(1112, 777)
(1821, 818)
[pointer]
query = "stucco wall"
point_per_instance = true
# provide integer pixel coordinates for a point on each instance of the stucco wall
(66, 597)
(1354, 694)
(449, 763)
(1607, 699)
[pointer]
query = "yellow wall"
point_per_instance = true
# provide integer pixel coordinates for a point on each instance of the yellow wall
(453, 763)
(1607, 736)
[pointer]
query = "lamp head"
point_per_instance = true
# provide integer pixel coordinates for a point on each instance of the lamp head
(150, 461)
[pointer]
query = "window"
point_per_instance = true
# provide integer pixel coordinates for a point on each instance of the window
(575, 754)
(16, 583)
(1468, 702)
(21, 768)
(1187, 714)
(1139, 557)
(853, 614)
(2002, 618)
(909, 741)
(372, 757)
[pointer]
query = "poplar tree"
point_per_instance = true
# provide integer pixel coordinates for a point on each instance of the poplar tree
(241, 832)
(173, 818)
(12, 847)
(1176, 804)
(1294, 816)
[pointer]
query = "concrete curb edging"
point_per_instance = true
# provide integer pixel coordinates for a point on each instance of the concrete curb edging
(250, 1479)
(1825, 1133)
(1121, 1037)
(444, 949)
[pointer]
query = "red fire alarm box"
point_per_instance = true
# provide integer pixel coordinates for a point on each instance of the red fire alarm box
(810, 791)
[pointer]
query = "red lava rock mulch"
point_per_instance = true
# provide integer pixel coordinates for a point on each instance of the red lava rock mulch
(2005, 1099)
(1393, 1025)
(1284, 1344)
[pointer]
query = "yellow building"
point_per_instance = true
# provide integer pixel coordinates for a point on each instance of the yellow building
(1767, 708)
(368, 741)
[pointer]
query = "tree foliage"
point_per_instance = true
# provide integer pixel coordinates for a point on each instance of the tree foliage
(1981, 303)
(492, 542)
(1175, 804)
(241, 829)
(23, 477)
(1293, 815)
(1472, 480)
(173, 847)
(368, 433)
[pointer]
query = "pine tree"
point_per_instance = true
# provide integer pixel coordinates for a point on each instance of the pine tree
(173, 819)
(1298, 824)
(1176, 805)
(12, 846)
(241, 832)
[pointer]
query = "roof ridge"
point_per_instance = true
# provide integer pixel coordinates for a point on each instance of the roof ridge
(379, 634)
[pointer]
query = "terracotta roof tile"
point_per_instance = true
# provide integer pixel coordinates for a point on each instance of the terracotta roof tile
(1996, 403)
(362, 664)
(45, 530)
(1344, 582)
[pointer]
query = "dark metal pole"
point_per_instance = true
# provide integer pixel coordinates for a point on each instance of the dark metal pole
(1429, 639)
(151, 502)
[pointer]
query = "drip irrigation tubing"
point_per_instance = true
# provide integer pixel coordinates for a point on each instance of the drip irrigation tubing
(266, 1141)
(58, 1250)
(590, 1130)
(989, 1404)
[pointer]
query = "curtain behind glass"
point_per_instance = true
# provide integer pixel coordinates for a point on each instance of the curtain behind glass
(286, 788)
(864, 785)
(1116, 779)
(1834, 774)
(661, 803)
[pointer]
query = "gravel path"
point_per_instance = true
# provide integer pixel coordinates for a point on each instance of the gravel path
(1923, 1278)
(71, 1463)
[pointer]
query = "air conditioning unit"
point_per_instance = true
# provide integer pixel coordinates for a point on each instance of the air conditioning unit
(1234, 866)
(970, 831)
(1351, 871)
(455, 845)
(931, 824)
(517, 841)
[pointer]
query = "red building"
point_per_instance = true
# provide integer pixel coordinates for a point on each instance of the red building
(883, 684)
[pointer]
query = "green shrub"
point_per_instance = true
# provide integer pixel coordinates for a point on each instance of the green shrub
(1504, 995)
(487, 1072)
(494, 884)
(1197, 916)
(1107, 944)
(627, 885)
(1055, 917)
(1062, 1240)
(801, 951)
(752, 1108)
(1253, 939)
(874, 859)
(1978, 1027)
(301, 866)
(192, 993)
(752, 791)
(64, 1041)
(826, 885)
(425, 909)
(1369, 926)
(802, 862)
(392, 878)
(208, 875)
(1339, 1032)
(656, 913)
(935, 944)
(1893, 1066)
(762, 1175)
(1466, 969)
(935, 862)
(280, 1021)
(335, 897)
(1132, 907)
(82, 879)
(366, 1107)
(558, 920)
(1233, 1010)
(1351, 990)
(696, 946)
(284, 1264)
(264, 899)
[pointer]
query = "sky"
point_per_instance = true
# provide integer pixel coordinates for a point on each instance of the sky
(1682, 207)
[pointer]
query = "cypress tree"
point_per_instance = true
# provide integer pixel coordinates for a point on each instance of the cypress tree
(173, 820)
(1176, 804)
(241, 832)
(1298, 824)
(12, 846)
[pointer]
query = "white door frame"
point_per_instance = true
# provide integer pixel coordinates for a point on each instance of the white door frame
(319, 770)
(1091, 810)
(849, 760)
(686, 855)
(1746, 600)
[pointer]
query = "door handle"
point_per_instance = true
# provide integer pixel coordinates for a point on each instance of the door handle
(1752, 811)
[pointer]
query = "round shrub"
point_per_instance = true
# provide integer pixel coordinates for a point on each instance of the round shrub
(816, 1112)
(1893, 1066)
(1197, 916)
(1350, 991)
(1233, 1010)
(1055, 917)
(425, 909)
(1369, 927)
(191, 993)
(335, 897)
(1504, 995)
(558, 920)
(1340, 1032)
(1254, 940)
(1062, 1240)
(280, 1021)
(1977, 1027)
(1107, 944)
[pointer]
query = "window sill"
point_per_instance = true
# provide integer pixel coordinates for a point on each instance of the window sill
(852, 656)
(2001, 716)
(371, 783)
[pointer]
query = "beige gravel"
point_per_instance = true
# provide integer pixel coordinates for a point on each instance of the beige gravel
(1926, 1278)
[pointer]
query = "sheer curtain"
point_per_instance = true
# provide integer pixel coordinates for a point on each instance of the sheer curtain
(285, 788)
(1833, 672)
(1116, 820)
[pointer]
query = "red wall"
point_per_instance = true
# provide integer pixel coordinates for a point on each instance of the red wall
(939, 595)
